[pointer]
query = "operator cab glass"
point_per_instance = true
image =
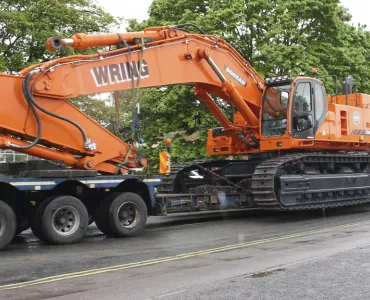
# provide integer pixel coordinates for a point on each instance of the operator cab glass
(309, 108)
(275, 107)
(302, 107)
(306, 113)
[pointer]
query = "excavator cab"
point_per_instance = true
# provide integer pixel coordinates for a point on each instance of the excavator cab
(293, 105)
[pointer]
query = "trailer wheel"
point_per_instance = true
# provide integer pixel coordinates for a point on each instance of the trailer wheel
(101, 214)
(23, 224)
(98, 218)
(36, 219)
(91, 219)
(62, 220)
(126, 214)
(8, 224)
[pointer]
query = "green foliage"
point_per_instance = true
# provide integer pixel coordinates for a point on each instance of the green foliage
(276, 36)
(170, 112)
(25, 26)
(100, 110)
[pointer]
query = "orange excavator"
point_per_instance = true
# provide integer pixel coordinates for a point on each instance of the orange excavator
(305, 150)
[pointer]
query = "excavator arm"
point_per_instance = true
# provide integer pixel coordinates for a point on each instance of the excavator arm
(37, 119)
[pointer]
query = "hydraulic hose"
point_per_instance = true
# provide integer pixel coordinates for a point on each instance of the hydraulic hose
(246, 142)
(85, 138)
(28, 97)
(182, 26)
(130, 60)
(254, 139)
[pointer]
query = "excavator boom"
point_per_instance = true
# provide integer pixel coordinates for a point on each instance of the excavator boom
(154, 57)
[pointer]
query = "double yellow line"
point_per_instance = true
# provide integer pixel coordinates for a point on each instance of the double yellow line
(92, 272)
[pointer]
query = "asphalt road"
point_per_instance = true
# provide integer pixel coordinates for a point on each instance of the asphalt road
(238, 255)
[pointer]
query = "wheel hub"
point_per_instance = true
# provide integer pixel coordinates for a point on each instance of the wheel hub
(128, 215)
(66, 220)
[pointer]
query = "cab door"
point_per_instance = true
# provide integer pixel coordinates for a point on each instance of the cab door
(303, 119)
(320, 104)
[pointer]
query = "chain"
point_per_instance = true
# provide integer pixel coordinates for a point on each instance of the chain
(222, 178)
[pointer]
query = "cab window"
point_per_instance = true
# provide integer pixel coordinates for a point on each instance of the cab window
(319, 102)
(274, 114)
(303, 101)
(302, 108)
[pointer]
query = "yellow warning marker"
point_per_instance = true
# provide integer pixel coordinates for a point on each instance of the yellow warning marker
(164, 163)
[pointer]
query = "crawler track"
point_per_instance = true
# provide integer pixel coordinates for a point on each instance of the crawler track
(311, 191)
(300, 181)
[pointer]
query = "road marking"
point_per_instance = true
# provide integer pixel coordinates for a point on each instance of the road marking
(150, 262)
(165, 295)
(169, 294)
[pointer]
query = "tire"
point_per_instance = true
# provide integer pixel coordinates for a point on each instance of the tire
(23, 224)
(102, 216)
(91, 209)
(98, 218)
(127, 215)
(61, 220)
(24, 214)
(36, 219)
(8, 224)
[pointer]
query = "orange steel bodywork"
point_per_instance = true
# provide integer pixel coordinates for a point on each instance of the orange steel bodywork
(81, 41)
(172, 57)
(346, 128)
(60, 140)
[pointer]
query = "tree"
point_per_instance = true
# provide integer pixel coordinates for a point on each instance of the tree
(25, 26)
(100, 110)
(350, 56)
(170, 112)
(277, 37)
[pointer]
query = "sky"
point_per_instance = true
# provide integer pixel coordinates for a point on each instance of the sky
(138, 9)
(359, 10)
